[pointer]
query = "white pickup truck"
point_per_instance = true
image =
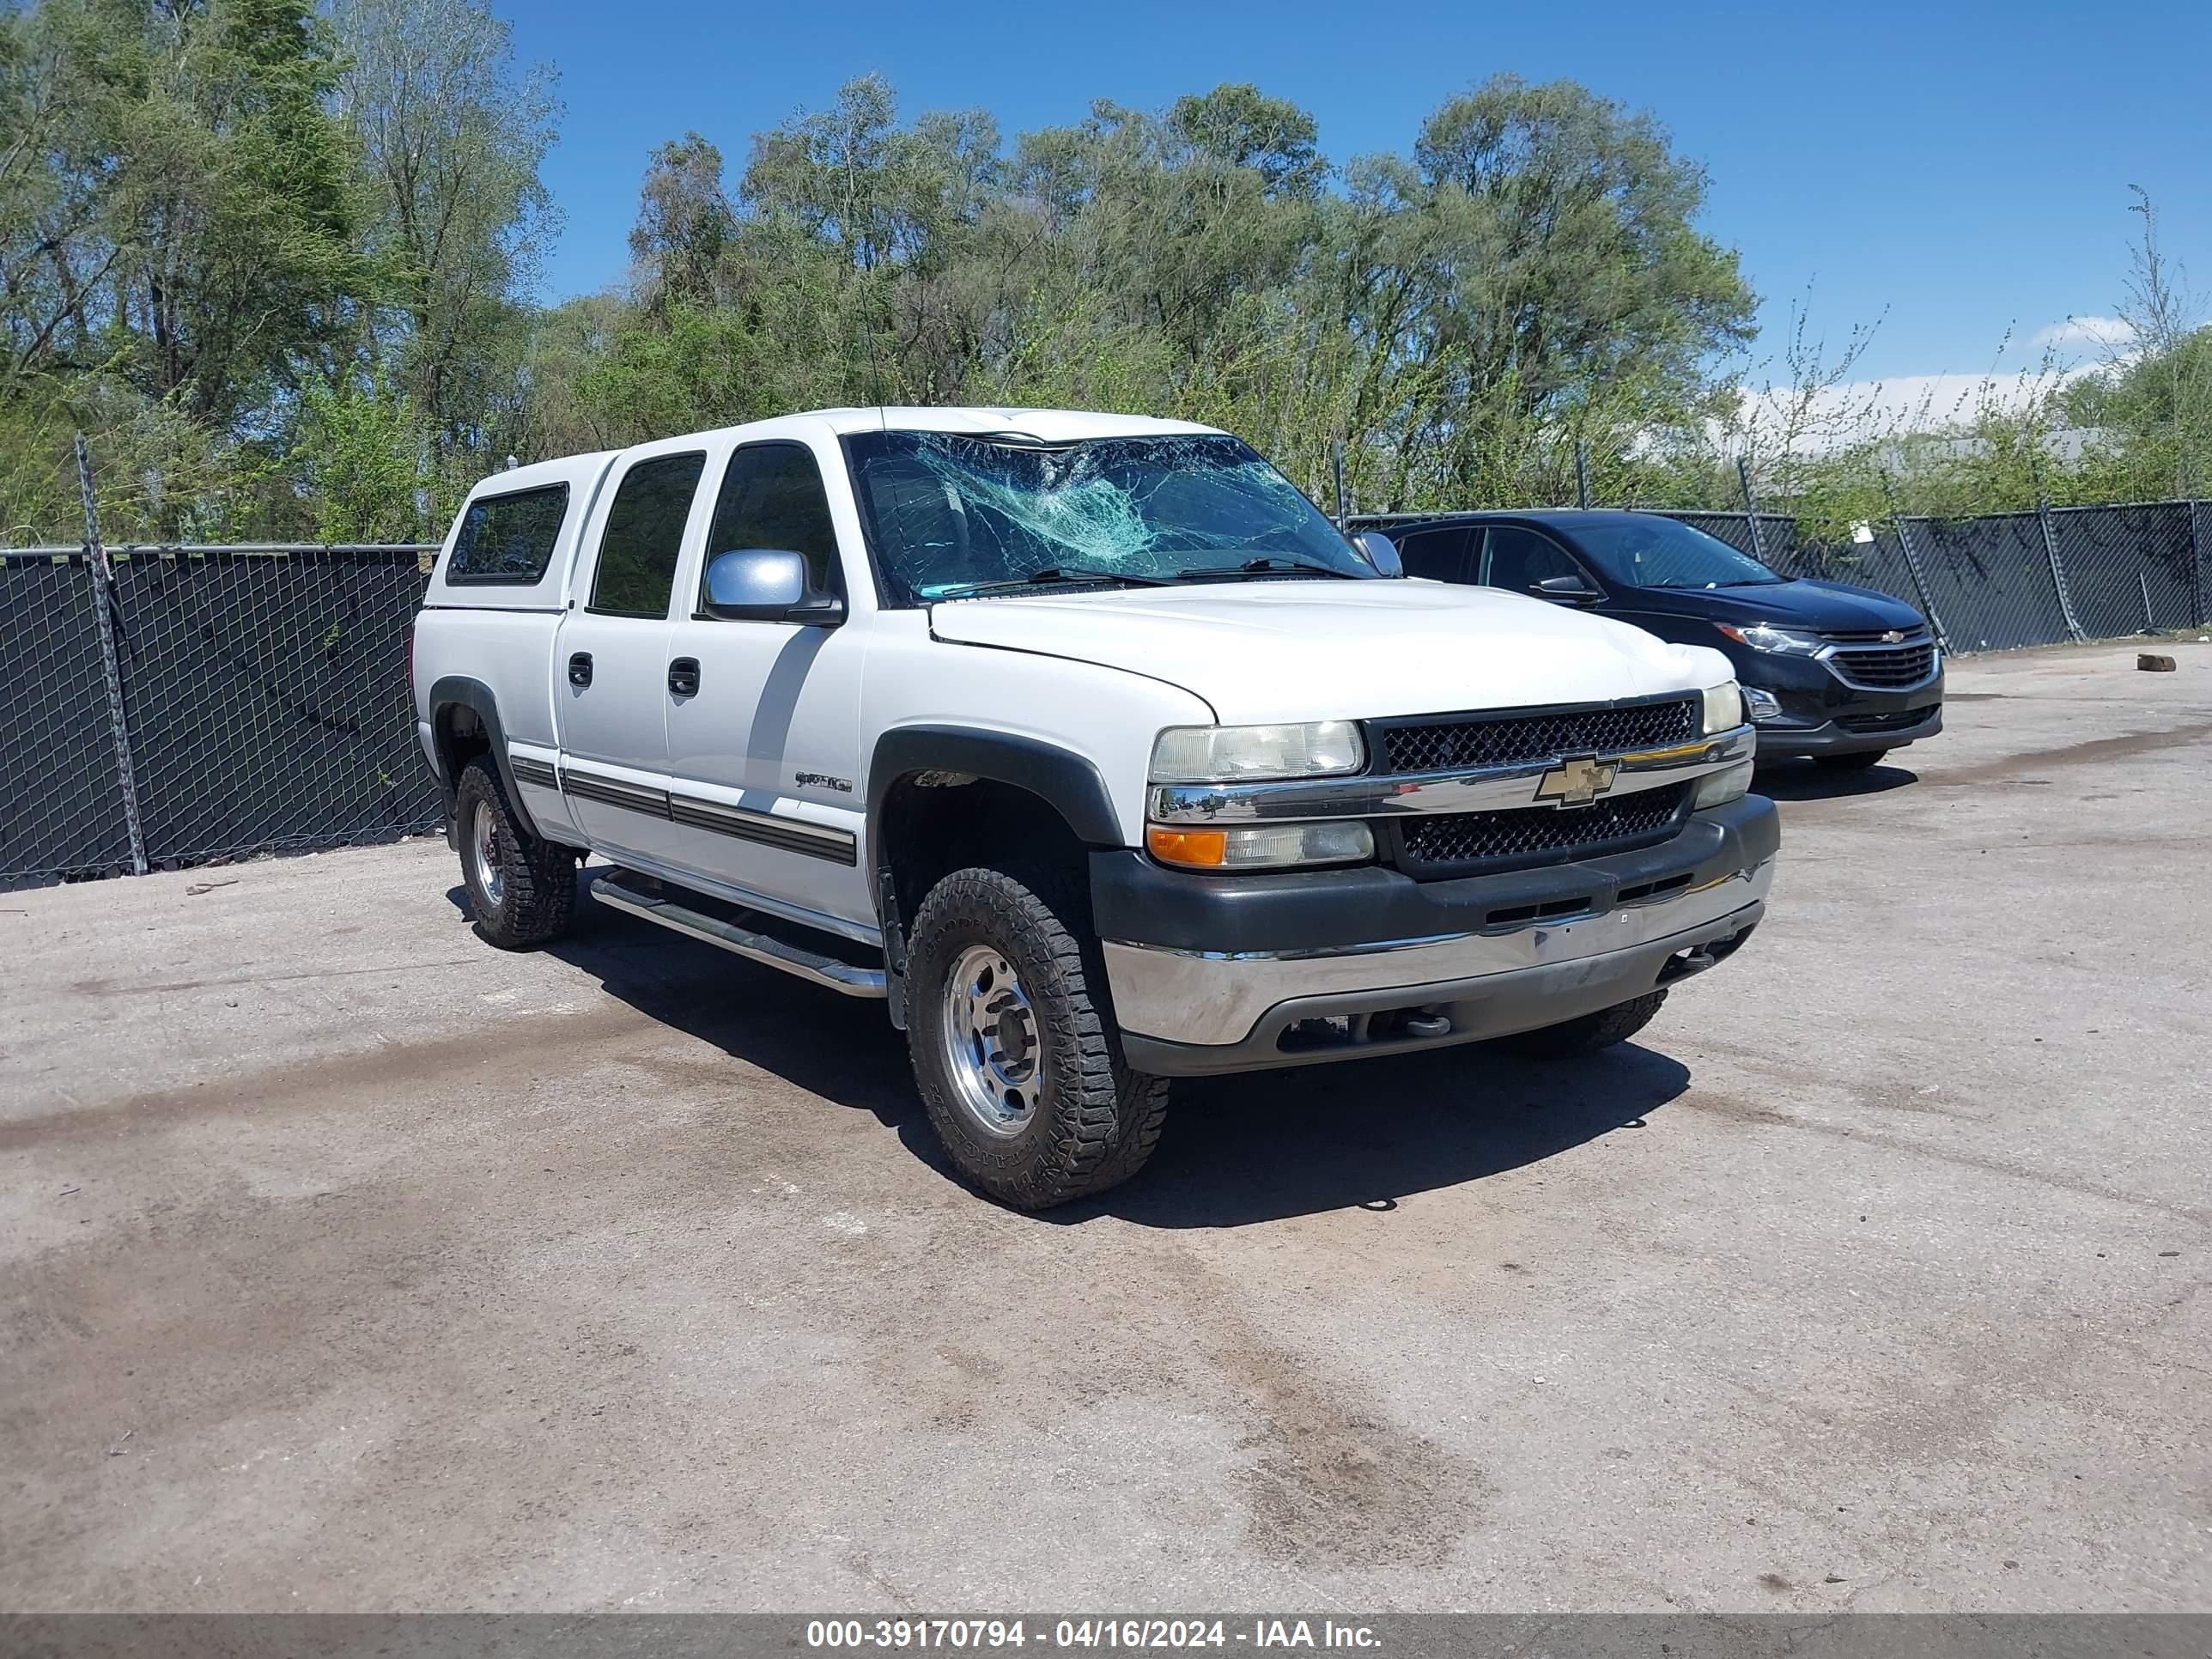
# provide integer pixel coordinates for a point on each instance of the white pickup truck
(1089, 744)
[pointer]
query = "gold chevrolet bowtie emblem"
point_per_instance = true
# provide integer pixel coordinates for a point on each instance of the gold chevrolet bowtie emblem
(1577, 782)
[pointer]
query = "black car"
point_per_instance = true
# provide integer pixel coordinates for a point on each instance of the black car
(1839, 673)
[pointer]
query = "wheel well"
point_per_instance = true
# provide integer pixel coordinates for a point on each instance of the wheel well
(933, 823)
(460, 735)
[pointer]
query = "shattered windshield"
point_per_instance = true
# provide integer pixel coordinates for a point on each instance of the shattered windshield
(948, 514)
(1640, 552)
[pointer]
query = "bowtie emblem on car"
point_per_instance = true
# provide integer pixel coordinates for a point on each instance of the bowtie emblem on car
(1577, 782)
(1895, 636)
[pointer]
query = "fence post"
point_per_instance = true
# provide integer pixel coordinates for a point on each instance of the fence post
(2198, 552)
(1912, 563)
(119, 720)
(2057, 565)
(1751, 507)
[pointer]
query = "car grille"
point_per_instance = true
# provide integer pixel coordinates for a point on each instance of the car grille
(1885, 669)
(1463, 843)
(1450, 743)
(1897, 720)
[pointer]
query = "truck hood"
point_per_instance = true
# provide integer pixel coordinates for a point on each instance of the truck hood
(1278, 650)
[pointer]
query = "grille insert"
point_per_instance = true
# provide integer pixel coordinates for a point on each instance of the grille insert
(1888, 669)
(1896, 721)
(1456, 742)
(1452, 843)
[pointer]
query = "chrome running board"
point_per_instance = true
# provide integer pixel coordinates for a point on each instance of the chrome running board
(794, 959)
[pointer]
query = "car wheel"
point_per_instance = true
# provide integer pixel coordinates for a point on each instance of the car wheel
(1587, 1034)
(1013, 1052)
(522, 889)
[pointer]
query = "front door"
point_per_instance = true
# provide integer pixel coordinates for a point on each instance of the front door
(764, 755)
(610, 662)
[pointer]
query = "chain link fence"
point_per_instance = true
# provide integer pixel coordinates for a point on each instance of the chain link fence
(264, 705)
(263, 690)
(2009, 580)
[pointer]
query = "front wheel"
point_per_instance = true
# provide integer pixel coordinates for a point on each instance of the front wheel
(1013, 1046)
(1858, 762)
(1589, 1034)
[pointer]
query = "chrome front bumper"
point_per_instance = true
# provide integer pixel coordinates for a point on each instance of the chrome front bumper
(1174, 1006)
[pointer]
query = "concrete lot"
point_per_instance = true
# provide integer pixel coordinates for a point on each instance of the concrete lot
(346, 1263)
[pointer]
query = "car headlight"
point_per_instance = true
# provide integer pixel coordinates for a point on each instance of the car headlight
(1252, 754)
(1262, 846)
(1763, 705)
(1719, 788)
(1780, 642)
(1723, 708)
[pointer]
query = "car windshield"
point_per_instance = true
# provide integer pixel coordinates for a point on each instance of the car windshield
(948, 514)
(1641, 551)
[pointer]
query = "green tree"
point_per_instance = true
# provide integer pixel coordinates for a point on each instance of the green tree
(450, 136)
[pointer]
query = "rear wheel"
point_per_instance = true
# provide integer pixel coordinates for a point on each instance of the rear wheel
(1858, 762)
(521, 887)
(1013, 1049)
(1587, 1034)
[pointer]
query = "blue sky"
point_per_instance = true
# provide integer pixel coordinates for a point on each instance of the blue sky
(1962, 167)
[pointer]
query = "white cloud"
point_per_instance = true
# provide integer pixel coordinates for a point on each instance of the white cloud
(2109, 333)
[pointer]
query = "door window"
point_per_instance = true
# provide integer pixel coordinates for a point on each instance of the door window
(1518, 559)
(772, 496)
(1439, 555)
(508, 539)
(644, 535)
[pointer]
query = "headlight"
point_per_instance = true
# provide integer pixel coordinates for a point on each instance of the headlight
(1719, 788)
(1782, 641)
(1764, 705)
(1723, 708)
(1262, 846)
(1250, 754)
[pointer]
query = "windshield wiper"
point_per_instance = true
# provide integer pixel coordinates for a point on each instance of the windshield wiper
(1269, 561)
(1052, 572)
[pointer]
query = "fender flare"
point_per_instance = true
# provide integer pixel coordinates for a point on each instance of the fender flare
(458, 690)
(1065, 781)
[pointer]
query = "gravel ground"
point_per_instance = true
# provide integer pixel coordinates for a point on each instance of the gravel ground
(347, 1264)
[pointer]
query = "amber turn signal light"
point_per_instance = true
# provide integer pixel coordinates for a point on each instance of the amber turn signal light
(1202, 849)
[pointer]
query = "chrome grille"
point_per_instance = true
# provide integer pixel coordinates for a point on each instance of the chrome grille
(1458, 843)
(1885, 668)
(1446, 743)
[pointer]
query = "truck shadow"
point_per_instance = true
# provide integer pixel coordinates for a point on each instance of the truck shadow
(1800, 779)
(1366, 1134)
(1237, 1149)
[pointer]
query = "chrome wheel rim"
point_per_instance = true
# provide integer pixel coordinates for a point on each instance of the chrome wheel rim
(992, 1049)
(484, 854)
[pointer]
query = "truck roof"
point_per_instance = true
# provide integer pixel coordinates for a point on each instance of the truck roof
(1054, 425)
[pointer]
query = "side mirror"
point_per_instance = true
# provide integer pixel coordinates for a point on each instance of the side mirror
(1382, 552)
(767, 584)
(1573, 589)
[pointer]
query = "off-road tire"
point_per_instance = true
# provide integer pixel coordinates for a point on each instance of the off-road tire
(1858, 762)
(1096, 1122)
(537, 878)
(1587, 1034)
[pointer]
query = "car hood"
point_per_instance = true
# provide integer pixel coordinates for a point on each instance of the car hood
(1275, 650)
(1824, 607)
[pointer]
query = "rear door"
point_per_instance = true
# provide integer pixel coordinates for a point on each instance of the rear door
(611, 659)
(1440, 553)
(765, 749)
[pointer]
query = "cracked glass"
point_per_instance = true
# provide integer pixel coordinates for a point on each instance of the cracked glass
(950, 514)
